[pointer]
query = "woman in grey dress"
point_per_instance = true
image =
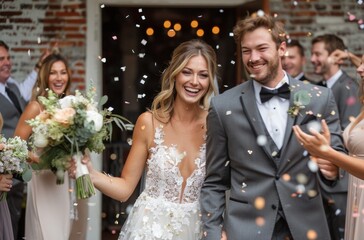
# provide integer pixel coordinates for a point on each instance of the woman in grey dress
(6, 230)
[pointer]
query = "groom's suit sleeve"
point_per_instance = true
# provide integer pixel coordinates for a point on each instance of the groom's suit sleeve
(331, 117)
(217, 179)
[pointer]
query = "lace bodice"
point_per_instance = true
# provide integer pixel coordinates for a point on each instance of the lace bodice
(163, 177)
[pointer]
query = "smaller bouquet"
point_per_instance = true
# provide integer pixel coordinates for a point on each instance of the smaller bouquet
(13, 158)
(66, 128)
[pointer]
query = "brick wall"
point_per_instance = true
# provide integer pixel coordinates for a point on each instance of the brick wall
(305, 19)
(29, 26)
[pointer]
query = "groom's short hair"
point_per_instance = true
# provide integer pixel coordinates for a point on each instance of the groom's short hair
(254, 22)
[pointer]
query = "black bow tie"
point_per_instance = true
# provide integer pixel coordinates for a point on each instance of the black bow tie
(283, 92)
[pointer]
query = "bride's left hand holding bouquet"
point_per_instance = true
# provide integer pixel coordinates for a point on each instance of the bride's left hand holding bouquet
(66, 128)
(13, 159)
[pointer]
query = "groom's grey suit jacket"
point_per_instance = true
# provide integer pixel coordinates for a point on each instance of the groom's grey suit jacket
(253, 173)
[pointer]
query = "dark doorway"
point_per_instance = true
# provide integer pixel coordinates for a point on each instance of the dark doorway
(134, 61)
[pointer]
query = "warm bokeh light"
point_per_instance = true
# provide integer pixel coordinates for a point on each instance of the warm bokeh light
(215, 30)
(177, 27)
(194, 24)
(150, 31)
(200, 32)
(167, 24)
(171, 33)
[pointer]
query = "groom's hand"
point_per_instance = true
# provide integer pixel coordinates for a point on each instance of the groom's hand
(328, 169)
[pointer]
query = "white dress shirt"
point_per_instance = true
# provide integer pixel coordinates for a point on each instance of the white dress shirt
(274, 112)
(331, 81)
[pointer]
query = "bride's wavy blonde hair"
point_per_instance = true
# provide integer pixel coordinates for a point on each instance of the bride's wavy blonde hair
(162, 106)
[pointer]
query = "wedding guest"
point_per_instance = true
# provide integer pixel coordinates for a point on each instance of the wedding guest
(48, 204)
(318, 146)
(6, 229)
(6, 181)
(294, 60)
(251, 151)
(169, 141)
(14, 96)
(345, 90)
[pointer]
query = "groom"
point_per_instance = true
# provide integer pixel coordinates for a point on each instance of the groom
(251, 150)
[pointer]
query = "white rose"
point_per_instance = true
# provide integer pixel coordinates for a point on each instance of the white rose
(40, 141)
(67, 101)
(96, 118)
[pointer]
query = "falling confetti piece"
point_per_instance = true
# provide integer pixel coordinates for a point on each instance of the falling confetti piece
(227, 163)
(228, 112)
(301, 178)
(286, 177)
(102, 5)
(142, 81)
(260, 13)
(123, 68)
(351, 17)
(250, 151)
(261, 140)
(114, 37)
(315, 125)
(259, 203)
(259, 221)
(311, 235)
(144, 42)
(116, 79)
(312, 165)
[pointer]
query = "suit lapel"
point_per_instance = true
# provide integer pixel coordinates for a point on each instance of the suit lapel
(251, 110)
(295, 86)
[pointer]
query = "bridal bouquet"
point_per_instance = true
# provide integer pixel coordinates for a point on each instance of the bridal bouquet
(13, 158)
(66, 128)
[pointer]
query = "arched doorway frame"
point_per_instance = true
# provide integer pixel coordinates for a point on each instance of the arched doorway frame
(94, 69)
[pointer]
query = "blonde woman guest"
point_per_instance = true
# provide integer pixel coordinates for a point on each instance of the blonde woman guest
(48, 204)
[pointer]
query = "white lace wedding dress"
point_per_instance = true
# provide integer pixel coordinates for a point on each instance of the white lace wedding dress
(165, 210)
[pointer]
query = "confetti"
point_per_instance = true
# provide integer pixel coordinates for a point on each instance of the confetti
(311, 235)
(312, 165)
(260, 221)
(228, 112)
(260, 13)
(261, 140)
(259, 203)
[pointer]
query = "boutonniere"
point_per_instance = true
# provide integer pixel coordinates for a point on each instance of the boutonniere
(300, 100)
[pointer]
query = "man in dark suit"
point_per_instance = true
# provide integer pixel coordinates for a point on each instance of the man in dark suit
(251, 149)
(294, 60)
(345, 90)
(14, 96)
